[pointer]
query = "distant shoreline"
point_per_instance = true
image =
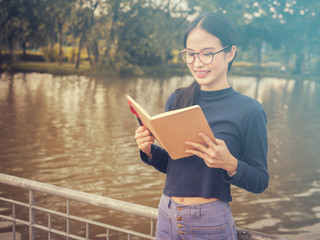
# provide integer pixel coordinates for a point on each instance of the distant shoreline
(135, 71)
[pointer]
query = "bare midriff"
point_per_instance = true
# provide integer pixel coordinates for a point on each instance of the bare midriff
(192, 200)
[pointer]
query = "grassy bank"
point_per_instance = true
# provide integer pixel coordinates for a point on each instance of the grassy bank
(158, 71)
(85, 69)
(50, 67)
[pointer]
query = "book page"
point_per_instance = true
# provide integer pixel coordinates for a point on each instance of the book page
(145, 118)
(173, 112)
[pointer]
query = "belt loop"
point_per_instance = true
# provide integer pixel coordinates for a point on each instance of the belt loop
(195, 212)
(169, 202)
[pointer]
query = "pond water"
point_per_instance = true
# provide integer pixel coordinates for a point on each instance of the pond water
(77, 132)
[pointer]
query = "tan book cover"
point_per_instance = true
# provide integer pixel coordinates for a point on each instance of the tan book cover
(173, 128)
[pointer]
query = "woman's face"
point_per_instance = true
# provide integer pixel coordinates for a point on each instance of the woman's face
(211, 76)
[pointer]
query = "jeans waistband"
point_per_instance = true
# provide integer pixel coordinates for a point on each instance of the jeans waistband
(216, 204)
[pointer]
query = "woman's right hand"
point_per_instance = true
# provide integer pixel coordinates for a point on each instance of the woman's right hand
(144, 140)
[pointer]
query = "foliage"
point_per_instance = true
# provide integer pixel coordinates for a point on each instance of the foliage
(50, 54)
(123, 36)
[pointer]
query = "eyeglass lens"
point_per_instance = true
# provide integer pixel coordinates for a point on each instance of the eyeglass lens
(204, 56)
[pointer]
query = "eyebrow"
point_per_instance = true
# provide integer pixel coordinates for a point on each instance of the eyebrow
(208, 48)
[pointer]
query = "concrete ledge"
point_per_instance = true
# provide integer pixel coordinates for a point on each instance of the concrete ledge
(245, 234)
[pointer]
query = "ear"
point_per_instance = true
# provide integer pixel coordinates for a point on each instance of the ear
(231, 55)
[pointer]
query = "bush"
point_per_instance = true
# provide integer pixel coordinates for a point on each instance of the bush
(50, 55)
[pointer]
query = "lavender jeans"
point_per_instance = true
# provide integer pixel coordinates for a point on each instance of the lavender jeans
(212, 221)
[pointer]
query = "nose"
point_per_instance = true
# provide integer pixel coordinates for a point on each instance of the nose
(196, 61)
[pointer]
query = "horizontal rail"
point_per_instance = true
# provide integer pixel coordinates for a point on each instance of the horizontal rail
(105, 202)
(80, 219)
(79, 196)
(69, 194)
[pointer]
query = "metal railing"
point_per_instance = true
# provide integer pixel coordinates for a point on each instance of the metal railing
(69, 194)
(90, 199)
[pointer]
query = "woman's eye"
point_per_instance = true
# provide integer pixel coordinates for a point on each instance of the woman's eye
(190, 54)
(207, 54)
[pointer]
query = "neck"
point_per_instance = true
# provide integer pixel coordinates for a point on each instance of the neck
(215, 87)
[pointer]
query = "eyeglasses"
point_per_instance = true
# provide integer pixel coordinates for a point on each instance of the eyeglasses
(206, 57)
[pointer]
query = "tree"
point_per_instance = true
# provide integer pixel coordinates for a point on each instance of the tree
(117, 34)
(297, 31)
(12, 24)
(82, 24)
(141, 32)
(58, 14)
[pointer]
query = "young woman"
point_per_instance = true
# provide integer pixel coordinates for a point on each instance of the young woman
(195, 200)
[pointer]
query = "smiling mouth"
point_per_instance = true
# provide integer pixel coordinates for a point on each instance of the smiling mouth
(201, 73)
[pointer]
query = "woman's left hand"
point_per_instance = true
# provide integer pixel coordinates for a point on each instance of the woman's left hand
(215, 154)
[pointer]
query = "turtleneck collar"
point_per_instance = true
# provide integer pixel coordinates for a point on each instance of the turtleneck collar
(215, 95)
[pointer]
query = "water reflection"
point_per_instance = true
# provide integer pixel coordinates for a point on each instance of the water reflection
(77, 132)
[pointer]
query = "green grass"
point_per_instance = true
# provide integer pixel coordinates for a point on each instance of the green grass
(159, 71)
(53, 68)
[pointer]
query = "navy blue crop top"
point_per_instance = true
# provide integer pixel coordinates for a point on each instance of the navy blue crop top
(238, 120)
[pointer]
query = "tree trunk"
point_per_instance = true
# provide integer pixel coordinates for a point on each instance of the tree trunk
(82, 38)
(60, 24)
(73, 56)
(52, 43)
(287, 58)
(299, 64)
(89, 56)
(96, 52)
(111, 42)
(259, 54)
(11, 46)
(24, 54)
(95, 45)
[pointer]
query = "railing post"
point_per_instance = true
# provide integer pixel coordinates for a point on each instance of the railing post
(108, 234)
(14, 221)
(152, 228)
(87, 231)
(49, 226)
(68, 219)
(31, 214)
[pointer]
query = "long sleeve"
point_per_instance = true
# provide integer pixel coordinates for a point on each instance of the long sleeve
(160, 156)
(159, 159)
(252, 171)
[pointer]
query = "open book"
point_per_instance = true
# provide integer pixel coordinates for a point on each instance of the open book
(172, 129)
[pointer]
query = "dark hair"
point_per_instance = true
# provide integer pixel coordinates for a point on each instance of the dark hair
(219, 26)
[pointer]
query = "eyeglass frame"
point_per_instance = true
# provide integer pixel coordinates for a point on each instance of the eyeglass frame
(194, 53)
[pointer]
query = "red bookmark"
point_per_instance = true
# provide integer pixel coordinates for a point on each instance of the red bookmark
(135, 113)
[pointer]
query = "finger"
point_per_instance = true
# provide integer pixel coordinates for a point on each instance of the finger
(145, 146)
(141, 129)
(197, 153)
(207, 140)
(143, 134)
(197, 146)
(208, 161)
(145, 139)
